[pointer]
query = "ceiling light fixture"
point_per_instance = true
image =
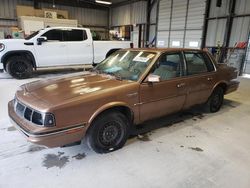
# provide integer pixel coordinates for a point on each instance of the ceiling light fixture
(103, 2)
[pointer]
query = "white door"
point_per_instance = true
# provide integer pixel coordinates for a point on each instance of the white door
(79, 46)
(52, 52)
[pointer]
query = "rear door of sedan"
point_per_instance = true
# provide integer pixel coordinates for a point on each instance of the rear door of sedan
(200, 77)
(167, 96)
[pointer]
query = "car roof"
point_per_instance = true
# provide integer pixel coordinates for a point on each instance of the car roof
(159, 50)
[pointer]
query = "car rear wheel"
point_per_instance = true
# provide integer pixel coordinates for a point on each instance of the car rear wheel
(19, 67)
(215, 101)
(108, 132)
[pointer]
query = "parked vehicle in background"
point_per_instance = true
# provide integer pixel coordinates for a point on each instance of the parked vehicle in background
(129, 87)
(55, 46)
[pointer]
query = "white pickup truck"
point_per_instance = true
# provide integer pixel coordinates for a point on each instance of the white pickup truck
(54, 46)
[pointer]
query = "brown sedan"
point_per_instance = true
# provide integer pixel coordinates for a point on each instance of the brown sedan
(129, 87)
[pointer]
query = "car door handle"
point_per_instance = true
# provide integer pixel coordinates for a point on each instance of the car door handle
(209, 79)
(180, 85)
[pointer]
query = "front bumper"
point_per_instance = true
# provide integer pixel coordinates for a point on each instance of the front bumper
(232, 86)
(1, 66)
(50, 138)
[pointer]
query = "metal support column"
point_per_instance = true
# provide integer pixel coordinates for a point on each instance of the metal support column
(228, 30)
(204, 32)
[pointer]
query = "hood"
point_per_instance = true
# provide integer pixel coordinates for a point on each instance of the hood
(8, 41)
(67, 88)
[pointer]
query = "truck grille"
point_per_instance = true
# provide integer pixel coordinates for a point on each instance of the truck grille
(28, 113)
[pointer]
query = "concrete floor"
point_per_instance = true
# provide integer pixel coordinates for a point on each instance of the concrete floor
(198, 150)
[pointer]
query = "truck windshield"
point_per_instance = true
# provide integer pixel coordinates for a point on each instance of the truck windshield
(125, 64)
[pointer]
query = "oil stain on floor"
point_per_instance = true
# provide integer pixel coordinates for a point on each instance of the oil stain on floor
(34, 148)
(143, 137)
(196, 149)
(53, 160)
(11, 128)
(79, 156)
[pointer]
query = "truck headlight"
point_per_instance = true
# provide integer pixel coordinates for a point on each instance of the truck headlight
(2, 46)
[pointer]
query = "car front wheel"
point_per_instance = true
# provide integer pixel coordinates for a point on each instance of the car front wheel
(108, 132)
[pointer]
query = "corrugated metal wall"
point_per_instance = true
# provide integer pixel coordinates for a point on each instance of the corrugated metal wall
(180, 23)
(134, 13)
(240, 27)
(84, 16)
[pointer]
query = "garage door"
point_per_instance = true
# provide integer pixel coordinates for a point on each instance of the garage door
(180, 23)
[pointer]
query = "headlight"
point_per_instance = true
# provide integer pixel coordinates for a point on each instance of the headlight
(2, 47)
(47, 119)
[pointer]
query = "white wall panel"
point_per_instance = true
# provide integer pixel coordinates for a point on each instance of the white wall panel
(219, 11)
(179, 14)
(186, 23)
(134, 13)
(164, 15)
(215, 32)
(242, 7)
(240, 30)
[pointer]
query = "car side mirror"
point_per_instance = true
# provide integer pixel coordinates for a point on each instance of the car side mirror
(40, 40)
(152, 78)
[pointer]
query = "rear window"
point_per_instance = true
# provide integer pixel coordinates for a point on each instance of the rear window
(195, 63)
(74, 35)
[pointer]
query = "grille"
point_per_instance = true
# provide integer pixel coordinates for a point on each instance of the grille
(28, 113)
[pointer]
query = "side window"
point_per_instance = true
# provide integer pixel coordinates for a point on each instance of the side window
(74, 35)
(210, 65)
(168, 66)
(195, 63)
(54, 35)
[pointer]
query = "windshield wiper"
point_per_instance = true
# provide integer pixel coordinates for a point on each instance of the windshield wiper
(118, 77)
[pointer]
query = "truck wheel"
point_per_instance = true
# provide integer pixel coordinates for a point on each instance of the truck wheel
(215, 101)
(19, 67)
(108, 132)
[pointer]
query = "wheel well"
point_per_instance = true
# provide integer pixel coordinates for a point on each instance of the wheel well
(26, 54)
(123, 109)
(112, 51)
(223, 86)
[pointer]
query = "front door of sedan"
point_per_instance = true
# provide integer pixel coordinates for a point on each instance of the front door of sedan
(169, 94)
(200, 78)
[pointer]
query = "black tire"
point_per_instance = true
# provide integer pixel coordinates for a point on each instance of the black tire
(19, 67)
(109, 132)
(215, 101)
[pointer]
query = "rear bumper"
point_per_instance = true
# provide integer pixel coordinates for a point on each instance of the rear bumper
(232, 86)
(55, 138)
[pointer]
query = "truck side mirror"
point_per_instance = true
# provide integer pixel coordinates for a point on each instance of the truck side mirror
(40, 40)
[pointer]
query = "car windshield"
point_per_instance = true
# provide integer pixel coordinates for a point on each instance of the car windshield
(125, 64)
(32, 35)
